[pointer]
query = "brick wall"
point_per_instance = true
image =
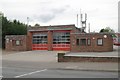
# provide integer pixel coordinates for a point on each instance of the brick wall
(93, 47)
(11, 43)
(74, 34)
(50, 40)
(63, 58)
(45, 29)
(29, 41)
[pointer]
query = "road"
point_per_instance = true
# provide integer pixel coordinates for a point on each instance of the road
(15, 69)
(43, 64)
(55, 73)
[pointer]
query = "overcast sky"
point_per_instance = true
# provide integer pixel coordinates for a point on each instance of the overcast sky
(101, 13)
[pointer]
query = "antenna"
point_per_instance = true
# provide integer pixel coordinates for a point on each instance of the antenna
(89, 27)
(77, 20)
(80, 18)
(83, 21)
(85, 16)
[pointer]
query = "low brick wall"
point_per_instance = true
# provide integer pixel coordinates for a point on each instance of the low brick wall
(63, 58)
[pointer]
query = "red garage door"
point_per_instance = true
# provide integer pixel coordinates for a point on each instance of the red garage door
(64, 47)
(61, 40)
(39, 41)
(39, 47)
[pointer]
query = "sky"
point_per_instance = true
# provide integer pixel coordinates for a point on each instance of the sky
(100, 13)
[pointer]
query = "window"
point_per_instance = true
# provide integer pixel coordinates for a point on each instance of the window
(83, 42)
(40, 38)
(88, 42)
(77, 42)
(61, 38)
(16, 42)
(99, 42)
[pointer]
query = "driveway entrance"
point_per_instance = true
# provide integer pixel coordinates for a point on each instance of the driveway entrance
(38, 56)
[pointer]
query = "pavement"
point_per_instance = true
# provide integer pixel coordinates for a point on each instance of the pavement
(114, 53)
(94, 54)
(31, 56)
(48, 59)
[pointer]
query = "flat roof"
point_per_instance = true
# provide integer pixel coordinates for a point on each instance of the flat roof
(92, 33)
(50, 29)
(53, 26)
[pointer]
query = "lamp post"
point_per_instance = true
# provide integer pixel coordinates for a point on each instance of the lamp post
(27, 24)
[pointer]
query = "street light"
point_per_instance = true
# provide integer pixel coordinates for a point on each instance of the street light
(27, 24)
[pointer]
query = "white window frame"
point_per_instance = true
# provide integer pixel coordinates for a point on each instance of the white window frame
(17, 42)
(99, 41)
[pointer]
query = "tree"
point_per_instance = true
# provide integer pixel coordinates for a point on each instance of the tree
(12, 28)
(102, 30)
(107, 30)
(37, 25)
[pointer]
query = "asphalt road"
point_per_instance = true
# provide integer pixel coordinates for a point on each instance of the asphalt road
(54, 73)
(15, 69)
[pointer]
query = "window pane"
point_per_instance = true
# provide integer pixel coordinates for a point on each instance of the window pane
(77, 42)
(40, 38)
(83, 42)
(17, 42)
(89, 42)
(61, 38)
(100, 41)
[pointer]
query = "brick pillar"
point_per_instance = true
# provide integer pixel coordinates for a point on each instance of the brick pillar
(61, 57)
(50, 40)
(29, 41)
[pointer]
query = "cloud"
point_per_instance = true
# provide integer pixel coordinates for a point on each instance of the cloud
(46, 17)
(100, 12)
(49, 14)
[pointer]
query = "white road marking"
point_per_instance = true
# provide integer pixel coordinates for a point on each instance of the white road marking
(30, 73)
(71, 67)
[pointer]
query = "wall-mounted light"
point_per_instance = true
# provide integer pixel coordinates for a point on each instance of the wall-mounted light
(105, 36)
(93, 37)
(10, 40)
(7, 40)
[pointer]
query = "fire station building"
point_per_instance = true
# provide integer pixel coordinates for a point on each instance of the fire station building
(60, 37)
